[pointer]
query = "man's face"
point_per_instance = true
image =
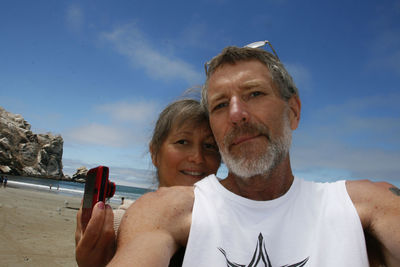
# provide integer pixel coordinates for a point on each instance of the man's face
(251, 123)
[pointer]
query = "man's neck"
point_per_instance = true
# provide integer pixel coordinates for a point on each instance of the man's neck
(262, 187)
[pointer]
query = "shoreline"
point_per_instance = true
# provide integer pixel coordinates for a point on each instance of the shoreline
(37, 228)
(53, 178)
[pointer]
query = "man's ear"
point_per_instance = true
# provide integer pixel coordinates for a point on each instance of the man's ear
(294, 111)
(153, 156)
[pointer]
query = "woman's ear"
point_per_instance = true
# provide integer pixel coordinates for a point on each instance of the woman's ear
(153, 156)
(294, 111)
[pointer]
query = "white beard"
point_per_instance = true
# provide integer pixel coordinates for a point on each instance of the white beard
(247, 164)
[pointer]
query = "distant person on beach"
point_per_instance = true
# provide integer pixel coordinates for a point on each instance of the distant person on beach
(5, 182)
(260, 215)
(182, 149)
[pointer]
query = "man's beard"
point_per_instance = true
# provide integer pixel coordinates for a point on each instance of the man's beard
(249, 161)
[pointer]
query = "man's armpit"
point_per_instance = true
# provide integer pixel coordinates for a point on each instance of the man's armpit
(395, 190)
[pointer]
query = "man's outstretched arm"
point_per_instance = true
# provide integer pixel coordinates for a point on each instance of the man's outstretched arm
(378, 205)
(154, 227)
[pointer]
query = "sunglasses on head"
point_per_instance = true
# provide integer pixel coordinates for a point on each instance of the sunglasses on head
(257, 44)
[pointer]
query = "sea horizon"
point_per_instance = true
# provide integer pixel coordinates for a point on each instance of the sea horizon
(71, 188)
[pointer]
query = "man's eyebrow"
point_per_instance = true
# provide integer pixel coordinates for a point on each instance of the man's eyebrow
(244, 86)
(253, 83)
(217, 97)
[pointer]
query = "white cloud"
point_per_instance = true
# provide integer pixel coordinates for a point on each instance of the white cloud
(371, 102)
(359, 137)
(97, 134)
(130, 42)
(136, 112)
(358, 162)
(123, 124)
(74, 17)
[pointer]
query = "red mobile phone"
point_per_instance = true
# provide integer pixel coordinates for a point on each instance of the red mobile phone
(97, 188)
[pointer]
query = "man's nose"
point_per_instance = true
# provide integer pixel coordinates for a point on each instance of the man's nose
(237, 111)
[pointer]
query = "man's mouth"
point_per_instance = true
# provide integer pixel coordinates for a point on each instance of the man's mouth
(245, 133)
(243, 139)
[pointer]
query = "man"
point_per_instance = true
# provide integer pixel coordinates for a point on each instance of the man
(260, 215)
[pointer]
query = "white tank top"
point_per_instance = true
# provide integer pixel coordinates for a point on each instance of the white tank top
(313, 224)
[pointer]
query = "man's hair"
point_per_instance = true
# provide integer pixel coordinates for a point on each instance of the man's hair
(232, 55)
(176, 114)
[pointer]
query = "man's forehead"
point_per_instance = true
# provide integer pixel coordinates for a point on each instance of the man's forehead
(243, 75)
(244, 68)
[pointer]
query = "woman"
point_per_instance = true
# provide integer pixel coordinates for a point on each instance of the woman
(182, 149)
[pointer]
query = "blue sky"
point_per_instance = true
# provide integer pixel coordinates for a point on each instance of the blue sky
(99, 72)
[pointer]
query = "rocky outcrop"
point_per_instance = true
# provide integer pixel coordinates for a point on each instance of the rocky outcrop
(24, 153)
(80, 175)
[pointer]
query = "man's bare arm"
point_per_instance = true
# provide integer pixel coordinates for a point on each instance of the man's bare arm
(154, 227)
(378, 205)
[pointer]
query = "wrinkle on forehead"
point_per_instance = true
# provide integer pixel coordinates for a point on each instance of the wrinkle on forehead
(230, 76)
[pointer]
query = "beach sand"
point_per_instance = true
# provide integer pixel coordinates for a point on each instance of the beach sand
(36, 228)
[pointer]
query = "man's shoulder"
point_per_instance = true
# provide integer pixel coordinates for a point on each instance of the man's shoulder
(167, 199)
(372, 198)
(166, 210)
(378, 206)
(366, 190)
(173, 193)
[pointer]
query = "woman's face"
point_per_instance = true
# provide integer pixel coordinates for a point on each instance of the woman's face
(188, 154)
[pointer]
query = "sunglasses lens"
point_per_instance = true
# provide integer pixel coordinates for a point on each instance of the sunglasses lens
(256, 44)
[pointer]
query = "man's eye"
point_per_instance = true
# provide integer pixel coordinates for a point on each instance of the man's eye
(220, 105)
(255, 94)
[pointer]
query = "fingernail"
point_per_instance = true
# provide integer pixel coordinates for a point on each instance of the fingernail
(101, 205)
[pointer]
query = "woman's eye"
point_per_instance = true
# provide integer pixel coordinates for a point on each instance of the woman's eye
(181, 142)
(211, 147)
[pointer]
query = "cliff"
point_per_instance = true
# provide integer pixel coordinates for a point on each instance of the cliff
(23, 152)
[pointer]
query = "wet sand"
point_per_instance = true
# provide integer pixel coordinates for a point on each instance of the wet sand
(37, 228)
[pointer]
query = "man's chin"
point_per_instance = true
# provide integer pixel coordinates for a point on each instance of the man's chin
(249, 152)
(246, 168)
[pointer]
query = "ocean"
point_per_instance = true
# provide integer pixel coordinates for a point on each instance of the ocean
(72, 188)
